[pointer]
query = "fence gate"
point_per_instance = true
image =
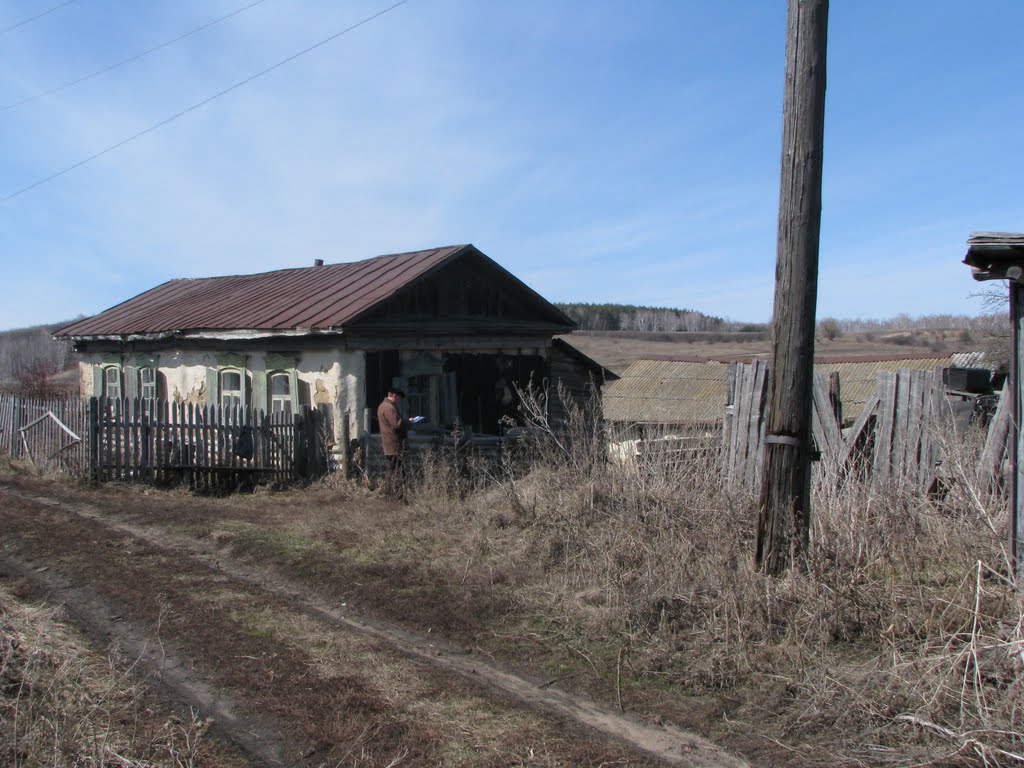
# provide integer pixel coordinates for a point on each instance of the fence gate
(46, 440)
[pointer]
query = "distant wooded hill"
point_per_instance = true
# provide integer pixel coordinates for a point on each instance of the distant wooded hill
(629, 317)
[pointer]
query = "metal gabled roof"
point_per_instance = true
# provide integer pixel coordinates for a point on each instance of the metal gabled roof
(318, 298)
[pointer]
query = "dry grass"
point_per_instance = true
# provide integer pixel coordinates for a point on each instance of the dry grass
(902, 643)
(62, 704)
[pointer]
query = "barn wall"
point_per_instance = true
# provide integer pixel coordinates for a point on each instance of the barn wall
(576, 380)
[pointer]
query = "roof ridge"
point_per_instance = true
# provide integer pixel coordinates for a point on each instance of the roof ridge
(334, 265)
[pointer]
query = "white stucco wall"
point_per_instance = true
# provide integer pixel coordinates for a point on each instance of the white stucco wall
(185, 374)
(336, 378)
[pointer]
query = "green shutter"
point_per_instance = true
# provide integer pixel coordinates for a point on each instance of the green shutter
(293, 386)
(97, 381)
(244, 376)
(259, 391)
(130, 381)
(212, 386)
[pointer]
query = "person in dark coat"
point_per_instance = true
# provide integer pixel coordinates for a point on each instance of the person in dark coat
(393, 432)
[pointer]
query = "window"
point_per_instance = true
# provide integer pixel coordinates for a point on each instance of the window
(231, 389)
(147, 383)
(112, 382)
(280, 393)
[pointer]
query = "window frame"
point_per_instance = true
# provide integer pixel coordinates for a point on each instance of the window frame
(287, 398)
(151, 385)
(116, 371)
(238, 394)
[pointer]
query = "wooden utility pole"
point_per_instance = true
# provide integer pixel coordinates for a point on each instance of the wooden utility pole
(785, 504)
(1016, 389)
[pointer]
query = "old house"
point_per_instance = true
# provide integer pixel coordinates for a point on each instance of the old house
(453, 329)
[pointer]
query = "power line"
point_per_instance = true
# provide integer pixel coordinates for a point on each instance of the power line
(5, 30)
(197, 105)
(129, 60)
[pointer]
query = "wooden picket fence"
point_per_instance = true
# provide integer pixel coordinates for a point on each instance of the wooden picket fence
(892, 442)
(163, 443)
(204, 447)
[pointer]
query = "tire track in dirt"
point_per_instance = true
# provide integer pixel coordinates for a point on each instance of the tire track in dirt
(92, 612)
(670, 745)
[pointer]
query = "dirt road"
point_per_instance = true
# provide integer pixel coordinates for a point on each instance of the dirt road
(292, 676)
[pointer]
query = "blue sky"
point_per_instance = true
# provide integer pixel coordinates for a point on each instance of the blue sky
(603, 151)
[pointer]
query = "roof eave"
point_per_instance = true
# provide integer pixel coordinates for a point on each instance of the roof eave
(237, 334)
(995, 256)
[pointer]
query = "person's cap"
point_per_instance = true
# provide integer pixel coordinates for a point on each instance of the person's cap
(398, 392)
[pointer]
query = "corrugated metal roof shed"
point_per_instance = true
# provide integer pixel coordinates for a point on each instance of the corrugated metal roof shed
(690, 392)
(858, 379)
(968, 360)
(667, 392)
(323, 297)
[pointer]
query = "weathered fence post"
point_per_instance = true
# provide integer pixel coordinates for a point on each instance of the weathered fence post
(346, 449)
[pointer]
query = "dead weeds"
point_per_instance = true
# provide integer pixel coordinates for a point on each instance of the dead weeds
(901, 643)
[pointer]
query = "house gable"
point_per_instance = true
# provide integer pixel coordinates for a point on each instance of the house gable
(469, 292)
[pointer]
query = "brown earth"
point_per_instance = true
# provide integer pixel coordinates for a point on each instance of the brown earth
(314, 660)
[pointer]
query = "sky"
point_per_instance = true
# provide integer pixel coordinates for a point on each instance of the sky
(621, 151)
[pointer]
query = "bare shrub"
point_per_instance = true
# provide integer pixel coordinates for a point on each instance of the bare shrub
(34, 379)
(447, 473)
(575, 442)
(829, 328)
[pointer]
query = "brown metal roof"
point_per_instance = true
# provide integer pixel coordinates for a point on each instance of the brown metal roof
(323, 297)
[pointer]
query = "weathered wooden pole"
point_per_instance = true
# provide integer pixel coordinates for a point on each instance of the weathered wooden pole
(1000, 256)
(785, 502)
(1017, 448)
